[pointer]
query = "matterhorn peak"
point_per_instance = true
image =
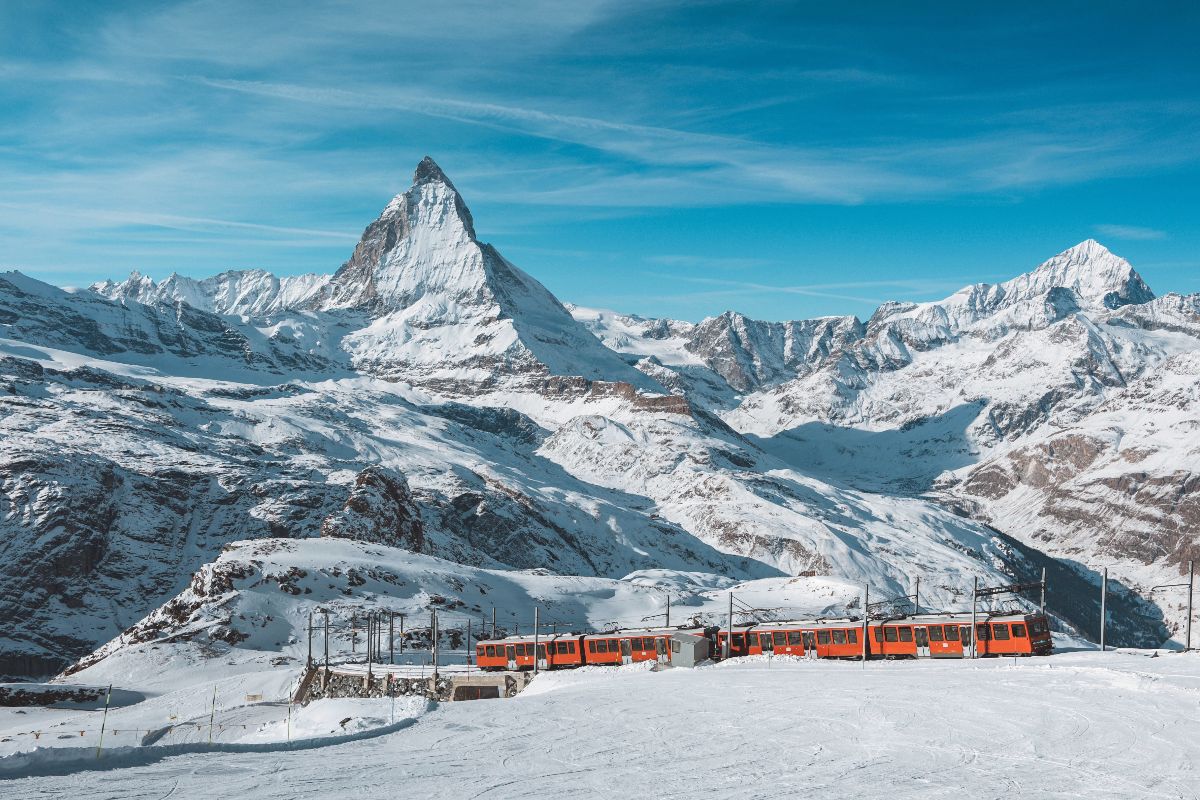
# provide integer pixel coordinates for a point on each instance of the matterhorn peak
(429, 172)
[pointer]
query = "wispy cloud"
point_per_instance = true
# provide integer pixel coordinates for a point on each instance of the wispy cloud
(1130, 232)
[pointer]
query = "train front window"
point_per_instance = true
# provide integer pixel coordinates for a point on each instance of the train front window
(1018, 631)
(1037, 627)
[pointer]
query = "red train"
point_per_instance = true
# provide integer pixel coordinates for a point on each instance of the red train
(921, 636)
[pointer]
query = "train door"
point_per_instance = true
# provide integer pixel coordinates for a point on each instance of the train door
(964, 632)
(626, 652)
(541, 657)
(764, 642)
(921, 635)
(510, 652)
(660, 647)
(810, 644)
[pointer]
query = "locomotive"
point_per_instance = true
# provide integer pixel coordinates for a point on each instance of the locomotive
(918, 636)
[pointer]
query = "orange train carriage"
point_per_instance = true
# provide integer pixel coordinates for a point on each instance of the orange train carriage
(575, 650)
(921, 636)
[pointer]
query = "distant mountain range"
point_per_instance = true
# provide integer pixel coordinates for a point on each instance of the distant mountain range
(431, 396)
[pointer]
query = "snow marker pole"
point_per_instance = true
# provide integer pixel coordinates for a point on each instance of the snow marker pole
(289, 721)
(212, 715)
(104, 720)
(391, 637)
(401, 634)
(1103, 606)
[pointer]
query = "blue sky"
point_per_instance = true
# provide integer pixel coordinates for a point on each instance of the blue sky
(782, 159)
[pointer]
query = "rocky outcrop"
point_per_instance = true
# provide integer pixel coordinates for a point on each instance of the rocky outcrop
(381, 510)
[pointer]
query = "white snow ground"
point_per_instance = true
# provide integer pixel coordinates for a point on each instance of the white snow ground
(1078, 724)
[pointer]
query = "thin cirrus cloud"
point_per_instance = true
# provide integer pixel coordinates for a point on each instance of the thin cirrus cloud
(1134, 232)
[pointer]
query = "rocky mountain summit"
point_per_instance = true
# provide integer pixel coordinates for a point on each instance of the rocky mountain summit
(430, 398)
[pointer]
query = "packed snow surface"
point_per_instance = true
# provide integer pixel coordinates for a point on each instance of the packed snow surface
(1079, 724)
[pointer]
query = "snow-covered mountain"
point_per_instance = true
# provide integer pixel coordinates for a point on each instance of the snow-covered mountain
(431, 398)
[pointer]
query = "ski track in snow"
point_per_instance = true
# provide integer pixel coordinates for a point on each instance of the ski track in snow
(1114, 725)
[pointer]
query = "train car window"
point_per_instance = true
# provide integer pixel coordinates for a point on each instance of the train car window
(951, 633)
(839, 637)
(852, 636)
(591, 647)
(491, 650)
(822, 637)
(674, 646)
(935, 633)
(737, 640)
(635, 644)
(780, 638)
(879, 634)
(890, 634)
(999, 630)
(793, 637)
(982, 633)
(564, 648)
(906, 634)
(1018, 631)
(570, 647)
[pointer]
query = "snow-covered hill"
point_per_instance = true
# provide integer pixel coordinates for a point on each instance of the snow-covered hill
(432, 397)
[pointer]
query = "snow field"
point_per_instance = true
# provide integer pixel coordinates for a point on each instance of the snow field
(1084, 724)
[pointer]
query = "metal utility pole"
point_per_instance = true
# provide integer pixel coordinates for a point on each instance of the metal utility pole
(974, 628)
(729, 630)
(917, 597)
(866, 622)
(326, 640)
(469, 652)
(310, 661)
(668, 609)
(401, 634)
(433, 627)
(391, 637)
(1191, 585)
(493, 622)
(370, 640)
(353, 630)
(1103, 606)
(535, 639)
(1043, 604)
